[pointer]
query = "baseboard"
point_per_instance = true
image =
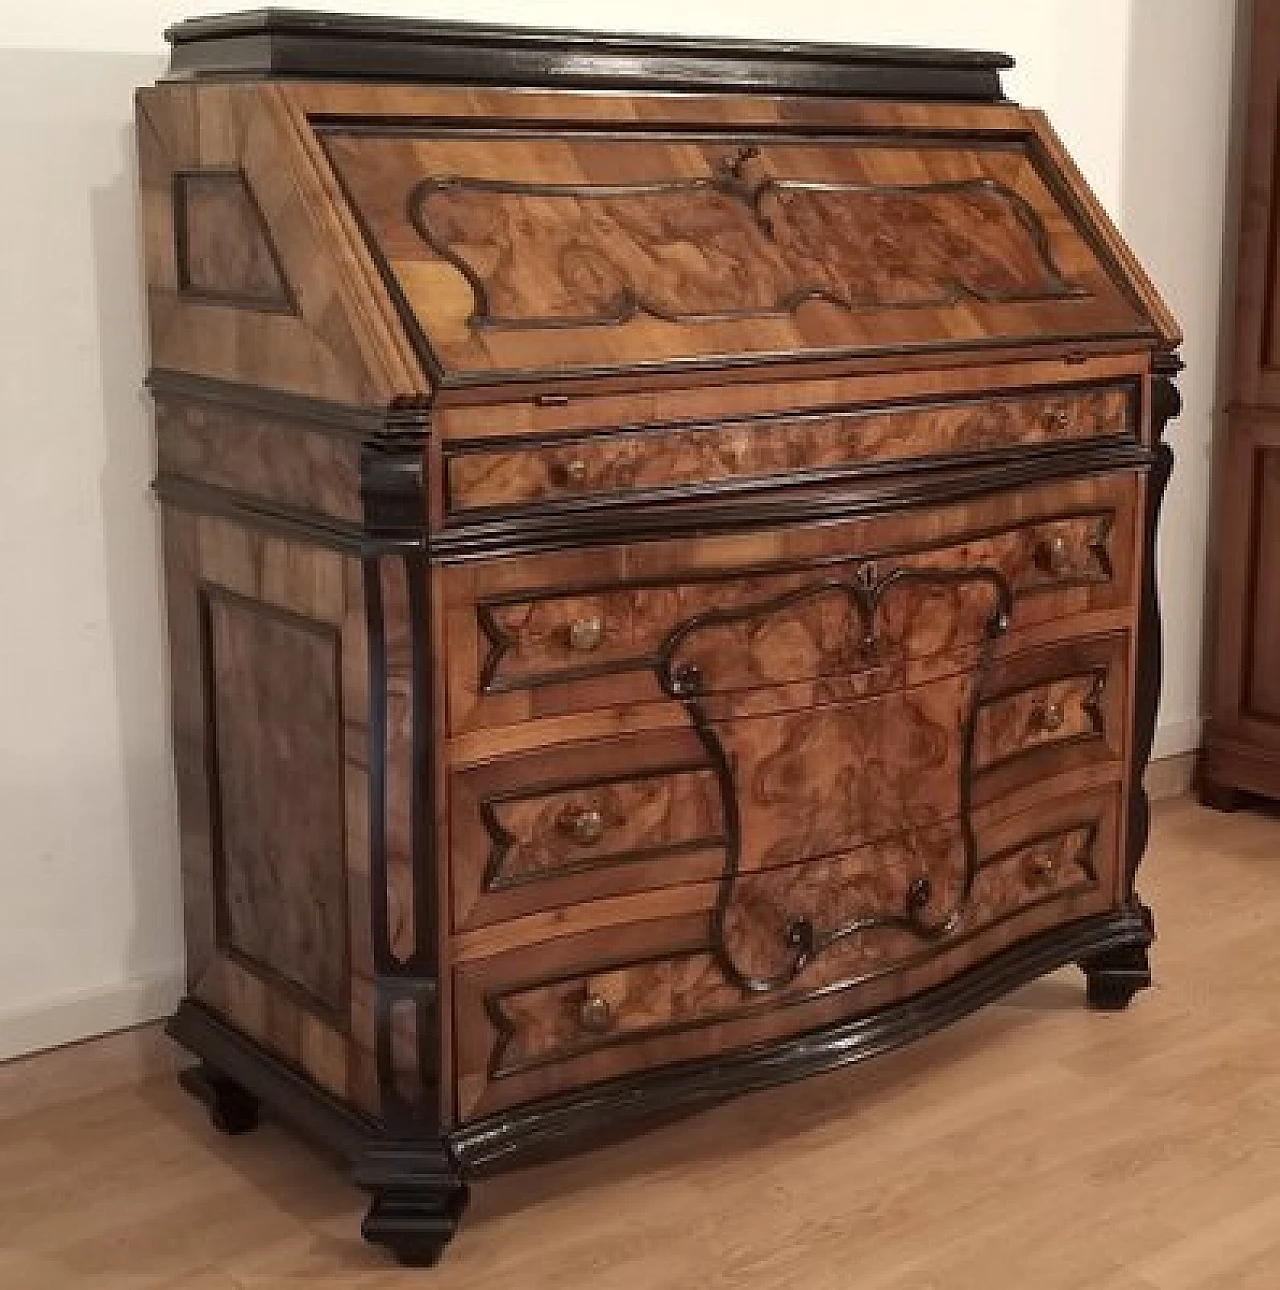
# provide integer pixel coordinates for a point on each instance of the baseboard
(88, 1070)
(1174, 738)
(1170, 776)
(68, 1018)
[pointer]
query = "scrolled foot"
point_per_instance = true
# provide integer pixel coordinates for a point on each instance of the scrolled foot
(415, 1223)
(233, 1110)
(1115, 977)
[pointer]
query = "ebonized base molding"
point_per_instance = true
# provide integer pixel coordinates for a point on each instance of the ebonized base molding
(1116, 976)
(418, 1183)
(418, 1199)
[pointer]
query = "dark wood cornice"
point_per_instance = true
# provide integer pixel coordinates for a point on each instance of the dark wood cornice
(275, 42)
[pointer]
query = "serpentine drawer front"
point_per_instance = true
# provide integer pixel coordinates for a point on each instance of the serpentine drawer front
(658, 549)
(560, 634)
(787, 948)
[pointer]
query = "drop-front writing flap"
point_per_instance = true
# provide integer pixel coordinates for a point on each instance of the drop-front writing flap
(516, 255)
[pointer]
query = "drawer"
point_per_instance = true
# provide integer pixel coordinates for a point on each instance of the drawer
(1049, 711)
(553, 635)
(573, 824)
(759, 450)
(799, 947)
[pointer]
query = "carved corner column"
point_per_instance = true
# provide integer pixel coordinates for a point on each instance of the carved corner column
(414, 1180)
(1116, 975)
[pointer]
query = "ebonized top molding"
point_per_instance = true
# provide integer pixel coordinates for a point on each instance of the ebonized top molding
(274, 42)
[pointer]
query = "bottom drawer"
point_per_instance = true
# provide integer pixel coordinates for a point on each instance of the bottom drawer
(790, 950)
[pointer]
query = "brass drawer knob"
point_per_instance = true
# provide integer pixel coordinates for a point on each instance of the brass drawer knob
(594, 1013)
(1057, 419)
(584, 826)
(1049, 718)
(1052, 554)
(1040, 869)
(585, 634)
(573, 473)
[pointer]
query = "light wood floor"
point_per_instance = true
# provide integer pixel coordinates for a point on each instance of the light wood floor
(1035, 1147)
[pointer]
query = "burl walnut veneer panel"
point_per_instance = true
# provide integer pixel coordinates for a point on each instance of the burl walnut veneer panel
(275, 686)
(511, 255)
(659, 558)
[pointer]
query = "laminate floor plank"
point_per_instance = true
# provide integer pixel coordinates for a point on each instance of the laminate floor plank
(1035, 1146)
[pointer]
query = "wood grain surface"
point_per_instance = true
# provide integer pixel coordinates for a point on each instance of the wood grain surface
(752, 450)
(223, 247)
(1004, 1139)
(1241, 752)
(269, 458)
(513, 654)
(270, 699)
(669, 985)
(277, 792)
(582, 252)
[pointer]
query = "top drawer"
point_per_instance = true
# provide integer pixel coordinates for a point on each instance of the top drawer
(752, 451)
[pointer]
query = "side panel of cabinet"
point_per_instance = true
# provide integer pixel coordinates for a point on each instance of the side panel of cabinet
(303, 922)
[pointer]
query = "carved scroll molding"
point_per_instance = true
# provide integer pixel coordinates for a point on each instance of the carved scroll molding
(729, 247)
(866, 592)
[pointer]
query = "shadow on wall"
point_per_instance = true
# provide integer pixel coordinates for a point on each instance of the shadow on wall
(1184, 86)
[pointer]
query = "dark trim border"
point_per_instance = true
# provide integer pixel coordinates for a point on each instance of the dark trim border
(728, 180)
(280, 301)
(400, 525)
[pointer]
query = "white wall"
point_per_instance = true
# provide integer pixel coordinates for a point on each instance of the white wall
(89, 912)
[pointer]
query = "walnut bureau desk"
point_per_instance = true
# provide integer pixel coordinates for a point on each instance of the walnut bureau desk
(658, 543)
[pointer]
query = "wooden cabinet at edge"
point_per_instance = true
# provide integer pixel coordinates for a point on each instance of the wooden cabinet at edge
(1242, 738)
(659, 583)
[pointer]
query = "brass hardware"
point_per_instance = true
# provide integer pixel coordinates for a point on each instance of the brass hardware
(1057, 419)
(686, 679)
(573, 473)
(595, 1014)
(584, 826)
(801, 935)
(585, 634)
(1049, 718)
(1040, 869)
(1051, 554)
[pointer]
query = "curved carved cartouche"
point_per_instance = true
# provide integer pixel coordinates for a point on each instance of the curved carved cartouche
(539, 255)
(921, 913)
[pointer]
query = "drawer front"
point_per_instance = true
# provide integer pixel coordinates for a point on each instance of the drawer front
(1052, 710)
(572, 824)
(619, 463)
(790, 949)
(542, 637)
